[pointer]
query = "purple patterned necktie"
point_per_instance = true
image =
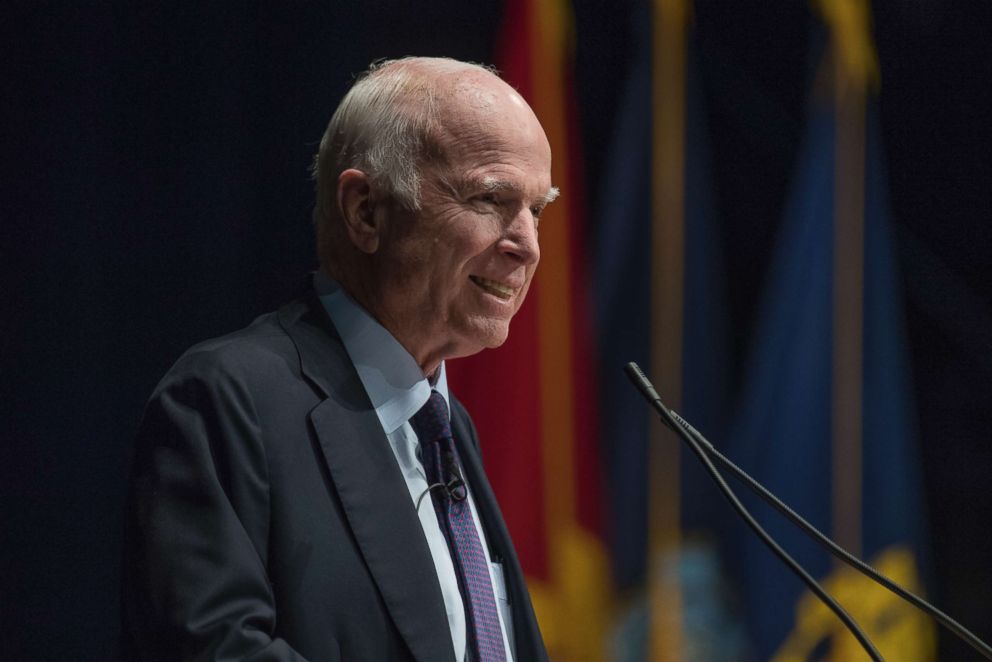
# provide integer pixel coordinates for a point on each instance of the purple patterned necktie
(485, 637)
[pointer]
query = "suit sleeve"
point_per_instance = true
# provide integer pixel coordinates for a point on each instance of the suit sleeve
(195, 584)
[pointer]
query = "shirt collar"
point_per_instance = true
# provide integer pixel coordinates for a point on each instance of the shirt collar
(390, 375)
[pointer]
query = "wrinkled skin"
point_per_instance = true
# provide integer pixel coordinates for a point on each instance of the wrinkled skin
(447, 279)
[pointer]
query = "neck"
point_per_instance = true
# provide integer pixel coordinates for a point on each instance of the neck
(351, 281)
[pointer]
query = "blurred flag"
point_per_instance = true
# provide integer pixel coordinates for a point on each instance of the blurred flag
(825, 417)
(660, 301)
(533, 399)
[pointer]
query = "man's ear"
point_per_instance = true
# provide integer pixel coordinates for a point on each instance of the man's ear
(357, 209)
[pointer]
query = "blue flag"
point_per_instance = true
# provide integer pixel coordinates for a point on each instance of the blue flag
(782, 434)
(623, 310)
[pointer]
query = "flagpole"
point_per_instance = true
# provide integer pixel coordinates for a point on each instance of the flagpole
(854, 66)
(848, 317)
(667, 275)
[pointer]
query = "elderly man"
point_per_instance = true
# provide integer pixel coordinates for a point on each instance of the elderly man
(307, 488)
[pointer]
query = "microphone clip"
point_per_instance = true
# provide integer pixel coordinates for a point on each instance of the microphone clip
(455, 490)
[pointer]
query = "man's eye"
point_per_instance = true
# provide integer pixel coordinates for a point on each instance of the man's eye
(536, 213)
(488, 198)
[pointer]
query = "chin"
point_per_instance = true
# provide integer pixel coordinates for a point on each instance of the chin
(488, 335)
(494, 334)
(493, 343)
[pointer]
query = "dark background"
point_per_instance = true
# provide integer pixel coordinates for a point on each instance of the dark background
(155, 193)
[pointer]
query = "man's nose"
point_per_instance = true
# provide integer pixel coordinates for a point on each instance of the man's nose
(520, 238)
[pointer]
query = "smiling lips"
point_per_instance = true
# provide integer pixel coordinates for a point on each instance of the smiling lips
(495, 288)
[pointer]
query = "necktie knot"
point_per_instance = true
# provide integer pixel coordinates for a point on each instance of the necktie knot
(431, 422)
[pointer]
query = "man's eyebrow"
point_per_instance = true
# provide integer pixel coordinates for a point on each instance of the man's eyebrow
(494, 184)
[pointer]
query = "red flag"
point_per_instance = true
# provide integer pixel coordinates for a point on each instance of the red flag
(533, 399)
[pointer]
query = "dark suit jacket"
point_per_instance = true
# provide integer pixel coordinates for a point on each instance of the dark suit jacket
(268, 518)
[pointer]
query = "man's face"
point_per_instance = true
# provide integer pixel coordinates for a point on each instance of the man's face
(452, 275)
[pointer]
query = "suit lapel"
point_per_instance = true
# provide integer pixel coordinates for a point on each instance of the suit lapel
(529, 645)
(370, 485)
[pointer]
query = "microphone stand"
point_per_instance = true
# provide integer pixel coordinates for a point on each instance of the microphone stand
(651, 395)
(682, 427)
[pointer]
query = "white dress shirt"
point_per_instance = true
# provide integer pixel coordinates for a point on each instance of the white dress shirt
(398, 389)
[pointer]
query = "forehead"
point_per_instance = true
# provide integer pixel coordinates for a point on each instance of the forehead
(486, 121)
(485, 92)
(478, 99)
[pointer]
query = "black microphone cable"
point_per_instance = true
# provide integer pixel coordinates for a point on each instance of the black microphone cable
(956, 628)
(651, 395)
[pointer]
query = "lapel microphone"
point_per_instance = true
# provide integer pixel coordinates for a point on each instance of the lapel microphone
(455, 489)
(704, 450)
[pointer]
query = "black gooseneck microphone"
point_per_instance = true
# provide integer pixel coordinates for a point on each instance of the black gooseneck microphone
(683, 427)
(956, 628)
(651, 395)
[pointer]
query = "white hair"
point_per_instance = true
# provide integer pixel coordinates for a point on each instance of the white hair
(386, 126)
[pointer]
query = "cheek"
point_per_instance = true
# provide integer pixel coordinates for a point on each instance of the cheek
(467, 253)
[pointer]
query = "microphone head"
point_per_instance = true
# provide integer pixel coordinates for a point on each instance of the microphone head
(643, 384)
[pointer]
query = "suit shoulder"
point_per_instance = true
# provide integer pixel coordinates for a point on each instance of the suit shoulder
(260, 352)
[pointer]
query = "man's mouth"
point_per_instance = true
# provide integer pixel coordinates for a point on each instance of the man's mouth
(493, 287)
